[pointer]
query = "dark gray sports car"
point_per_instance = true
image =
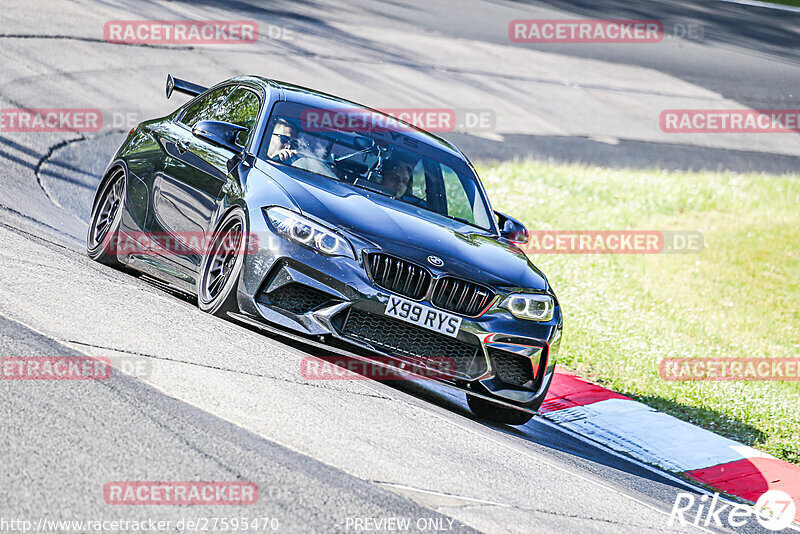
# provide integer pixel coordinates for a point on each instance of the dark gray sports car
(283, 207)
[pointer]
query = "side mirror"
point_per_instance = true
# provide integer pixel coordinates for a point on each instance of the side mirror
(511, 229)
(222, 134)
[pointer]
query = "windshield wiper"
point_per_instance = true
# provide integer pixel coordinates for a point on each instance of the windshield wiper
(363, 183)
(350, 155)
(464, 221)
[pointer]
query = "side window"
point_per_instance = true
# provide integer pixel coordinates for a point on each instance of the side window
(240, 108)
(418, 188)
(458, 204)
(204, 108)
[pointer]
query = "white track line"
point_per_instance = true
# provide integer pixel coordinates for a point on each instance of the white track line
(765, 5)
(441, 494)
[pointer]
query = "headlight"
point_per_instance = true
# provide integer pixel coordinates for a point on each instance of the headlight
(531, 307)
(297, 228)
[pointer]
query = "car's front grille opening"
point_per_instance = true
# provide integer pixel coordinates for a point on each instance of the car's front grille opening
(413, 281)
(512, 368)
(296, 298)
(399, 276)
(461, 296)
(415, 344)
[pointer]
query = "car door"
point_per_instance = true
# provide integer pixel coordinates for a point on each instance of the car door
(186, 194)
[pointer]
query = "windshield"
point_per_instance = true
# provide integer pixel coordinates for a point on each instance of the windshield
(370, 150)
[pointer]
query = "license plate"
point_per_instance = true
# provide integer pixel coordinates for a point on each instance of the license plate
(423, 316)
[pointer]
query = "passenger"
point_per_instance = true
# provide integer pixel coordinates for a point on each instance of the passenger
(397, 176)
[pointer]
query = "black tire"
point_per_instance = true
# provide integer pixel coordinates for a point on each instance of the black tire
(495, 413)
(105, 220)
(222, 266)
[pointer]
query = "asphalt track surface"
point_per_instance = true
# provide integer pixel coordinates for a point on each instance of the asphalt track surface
(206, 399)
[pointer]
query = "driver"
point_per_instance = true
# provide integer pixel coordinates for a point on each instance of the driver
(397, 176)
(283, 142)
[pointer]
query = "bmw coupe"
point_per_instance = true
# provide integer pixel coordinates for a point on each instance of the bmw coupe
(284, 207)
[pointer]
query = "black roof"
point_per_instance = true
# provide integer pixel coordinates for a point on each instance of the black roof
(318, 99)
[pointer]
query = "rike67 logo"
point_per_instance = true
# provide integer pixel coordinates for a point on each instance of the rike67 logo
(775, 510)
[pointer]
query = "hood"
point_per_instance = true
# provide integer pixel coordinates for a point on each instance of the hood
(408, 231)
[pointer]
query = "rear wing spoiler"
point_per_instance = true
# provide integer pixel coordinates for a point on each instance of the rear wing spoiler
(182, 86)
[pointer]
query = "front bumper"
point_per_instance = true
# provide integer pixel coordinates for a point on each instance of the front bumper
(298, 289)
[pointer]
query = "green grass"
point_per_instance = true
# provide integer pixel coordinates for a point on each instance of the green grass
(795, 3)
(739, 297)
